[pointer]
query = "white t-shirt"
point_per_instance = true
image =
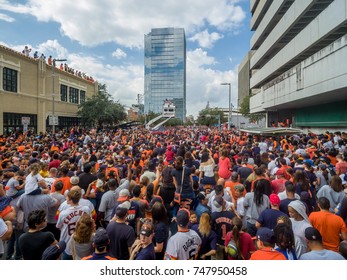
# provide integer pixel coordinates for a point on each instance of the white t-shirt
(207, 169)
(227, 198)
(67, 221)
(31, 182)
(49, 181)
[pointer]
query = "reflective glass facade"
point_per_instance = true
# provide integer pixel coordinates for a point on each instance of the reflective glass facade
(165, 70)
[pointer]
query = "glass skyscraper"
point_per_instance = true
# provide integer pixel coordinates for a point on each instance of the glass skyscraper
(165, 70)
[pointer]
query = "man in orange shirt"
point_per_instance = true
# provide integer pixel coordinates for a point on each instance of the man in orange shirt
(231, 185)
(265, 244)
(329, 225)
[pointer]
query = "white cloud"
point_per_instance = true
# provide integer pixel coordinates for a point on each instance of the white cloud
(118, 53)
(204, 83)
(205, 39)
(52, 47)
(6, 18)
(123, 82)
(125, 22)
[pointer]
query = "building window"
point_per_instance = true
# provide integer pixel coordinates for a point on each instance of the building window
(63, 93)
(73, 97)
(82, 96)
(10, 79)
(13, 122)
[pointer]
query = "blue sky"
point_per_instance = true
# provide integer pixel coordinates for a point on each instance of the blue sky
(104, 38)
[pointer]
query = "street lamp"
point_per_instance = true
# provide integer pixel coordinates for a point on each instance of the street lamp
(229, 114)
(53, 95)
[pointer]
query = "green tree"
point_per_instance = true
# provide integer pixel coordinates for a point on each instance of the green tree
(101, 110)
(210, 116)
(245, 111)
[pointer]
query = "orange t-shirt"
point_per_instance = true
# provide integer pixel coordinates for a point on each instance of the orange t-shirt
(231, 185)
(330, 226)
(109, 169)
(332, 160)
(66, 182)
(267, 253)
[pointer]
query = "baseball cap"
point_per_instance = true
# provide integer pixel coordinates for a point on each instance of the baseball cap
(182, 218)
(53, 252)
(123, 195)
(146, 229)
(266, 235)
(218, 203)
(234, 175)
(240, 188)
(313, 234)
(74, 180)
(101, 237)
(322, 166)
(122, 209)
(274, 199)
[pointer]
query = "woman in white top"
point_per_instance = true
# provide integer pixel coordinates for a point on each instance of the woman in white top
(206, 175)
(34, 182)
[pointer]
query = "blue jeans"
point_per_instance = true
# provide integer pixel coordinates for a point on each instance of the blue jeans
(20, 192)
(13, 245)
(66, 257)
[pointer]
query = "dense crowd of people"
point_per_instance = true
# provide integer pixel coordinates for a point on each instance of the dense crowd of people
(184, 193)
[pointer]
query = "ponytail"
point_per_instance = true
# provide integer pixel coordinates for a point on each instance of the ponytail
(237, 222)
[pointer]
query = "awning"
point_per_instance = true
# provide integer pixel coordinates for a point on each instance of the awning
(271, 130)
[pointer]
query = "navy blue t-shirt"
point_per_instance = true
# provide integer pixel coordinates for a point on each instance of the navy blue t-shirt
(208, 243)
(161, 235)
(268, 218)
(146, 253)
(133, 213)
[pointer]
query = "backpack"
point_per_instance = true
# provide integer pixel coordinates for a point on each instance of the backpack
(232, 249)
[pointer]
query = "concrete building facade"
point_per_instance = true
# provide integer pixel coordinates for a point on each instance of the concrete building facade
(26, 92)
(297, 69)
